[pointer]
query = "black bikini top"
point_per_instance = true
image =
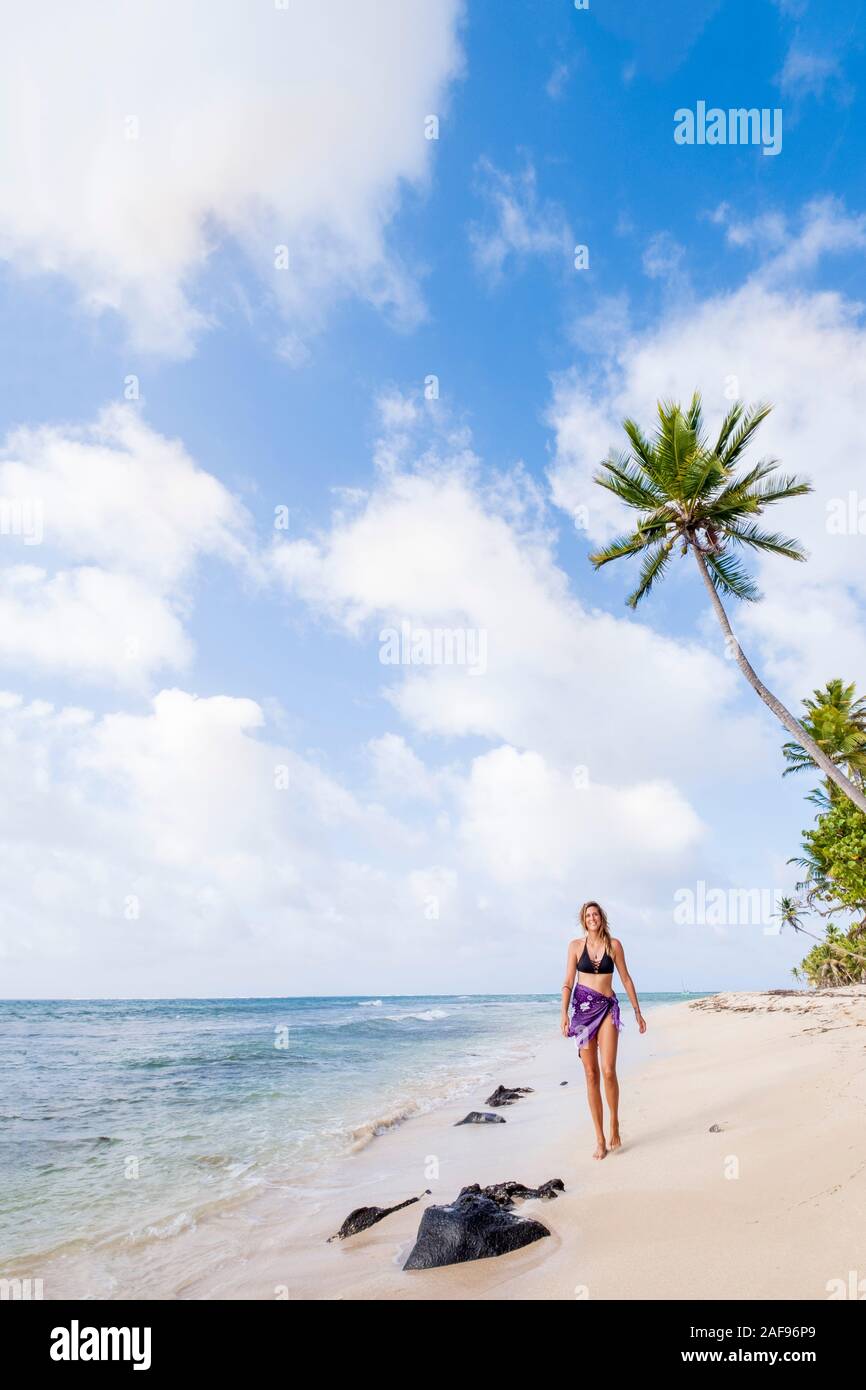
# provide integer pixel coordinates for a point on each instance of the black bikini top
(604, 967)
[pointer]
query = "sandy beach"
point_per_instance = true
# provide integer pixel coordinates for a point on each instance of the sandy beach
(771, 1205)
(741, 1176)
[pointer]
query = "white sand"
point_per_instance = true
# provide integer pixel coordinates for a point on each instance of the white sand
(773, 1206)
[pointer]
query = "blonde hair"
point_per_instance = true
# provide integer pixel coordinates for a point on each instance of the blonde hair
(605, 929)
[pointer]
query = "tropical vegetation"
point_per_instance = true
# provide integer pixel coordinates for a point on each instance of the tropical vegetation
(834, 849)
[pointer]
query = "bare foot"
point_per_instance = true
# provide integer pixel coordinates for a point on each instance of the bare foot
(600, 1148)
(615, 1141)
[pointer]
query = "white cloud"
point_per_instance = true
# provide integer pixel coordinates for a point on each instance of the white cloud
(445, 548)
(605, 326)
(397, 770)
(808, 73)
(179, 129)
(527, 822)
(602, 736)
(522, 225)
(87, 625)
(183, 851)
(768, 231)
(183, 835)
(825, 227)
(558, 81)
(176, 850)
(662, 256)
(125, 517)
(293, 350)
(662, 260)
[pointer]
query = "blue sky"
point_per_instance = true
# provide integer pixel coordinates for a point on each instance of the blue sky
(430, 836)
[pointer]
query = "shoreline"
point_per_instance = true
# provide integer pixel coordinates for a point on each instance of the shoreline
(769, 1205)
(197, 1251)
(399, 1164)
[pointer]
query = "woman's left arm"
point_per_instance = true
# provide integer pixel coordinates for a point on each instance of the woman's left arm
(628, 983)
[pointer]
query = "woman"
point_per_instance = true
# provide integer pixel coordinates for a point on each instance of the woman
(595, 1023)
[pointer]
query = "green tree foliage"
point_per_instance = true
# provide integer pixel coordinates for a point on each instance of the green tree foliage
(837, 960)
(836, 720)
(834, 850)
(836, 855)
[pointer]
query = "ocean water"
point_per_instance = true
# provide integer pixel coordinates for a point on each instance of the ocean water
(126, 1122)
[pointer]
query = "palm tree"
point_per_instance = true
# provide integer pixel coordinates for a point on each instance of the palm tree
(815, 885)
(789, 914)
(689, 495)
(832, 960)
(836, 720)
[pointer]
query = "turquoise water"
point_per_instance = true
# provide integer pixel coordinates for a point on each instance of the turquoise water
(130, 1119)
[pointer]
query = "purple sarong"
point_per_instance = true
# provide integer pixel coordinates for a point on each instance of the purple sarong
(590, 1011)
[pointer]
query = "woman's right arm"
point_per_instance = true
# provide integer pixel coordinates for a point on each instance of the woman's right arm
(568, 983)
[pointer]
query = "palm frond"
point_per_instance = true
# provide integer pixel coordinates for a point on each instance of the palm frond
(748, 424)
(672, 446)
(623, 545)
(641, 447)
(705, 474)
(630, 483)
(694, 415)
(796, 757)
(730, 420)
(653, 567)
(742, 488)
(780, 489)
(763, 540)
(729, 576)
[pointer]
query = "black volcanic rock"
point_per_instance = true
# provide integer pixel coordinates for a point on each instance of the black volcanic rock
(473, 1227)
(363, 1217)
(504, 1193)
(478, 1117)
(507, 1095)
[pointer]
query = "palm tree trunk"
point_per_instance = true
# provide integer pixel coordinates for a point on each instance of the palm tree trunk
(817, 754)
(831, 945)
